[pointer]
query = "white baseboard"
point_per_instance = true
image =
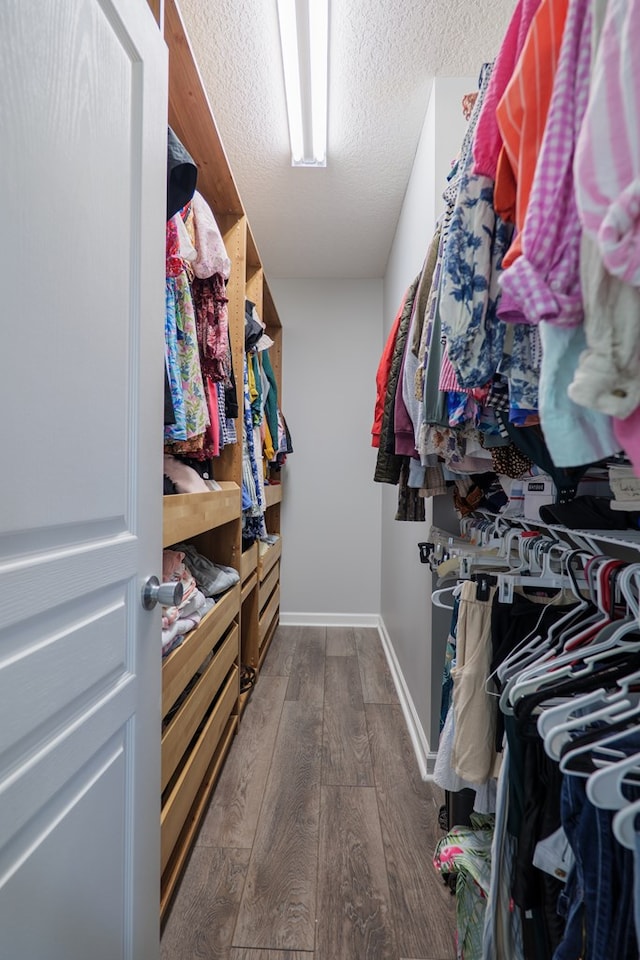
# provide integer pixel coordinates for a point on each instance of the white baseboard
(329, 619)
(424, 756)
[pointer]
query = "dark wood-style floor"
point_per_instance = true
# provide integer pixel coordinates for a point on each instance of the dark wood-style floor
(320, 834)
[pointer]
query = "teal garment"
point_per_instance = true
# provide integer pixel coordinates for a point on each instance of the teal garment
(271, 403)
(466, 851)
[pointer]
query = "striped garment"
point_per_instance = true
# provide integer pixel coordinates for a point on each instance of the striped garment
(607, 162)
(544, 283)
(522, 116)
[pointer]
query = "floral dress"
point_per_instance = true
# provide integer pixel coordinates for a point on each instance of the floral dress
(466, 851)
(183, 361)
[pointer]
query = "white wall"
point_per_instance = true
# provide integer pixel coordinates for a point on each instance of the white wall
(330, 514)
(405, 585)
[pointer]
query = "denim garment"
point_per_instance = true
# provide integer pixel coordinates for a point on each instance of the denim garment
(597, 899)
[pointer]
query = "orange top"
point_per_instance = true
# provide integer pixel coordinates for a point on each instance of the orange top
(522, 116)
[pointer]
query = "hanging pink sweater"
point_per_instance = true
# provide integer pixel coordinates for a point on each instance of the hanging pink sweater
(487, 141)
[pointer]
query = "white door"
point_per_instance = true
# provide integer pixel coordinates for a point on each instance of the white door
(82, 205)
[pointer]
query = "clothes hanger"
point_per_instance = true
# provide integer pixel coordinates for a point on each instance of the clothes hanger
(436, 596)
(536, 649)
(603, 576)
(607, 711)
(624, 825)
(528, 646)
(559, 713)
(574, 665)
(612, 707)
(589, 751)
(604, 787)
(538, 673)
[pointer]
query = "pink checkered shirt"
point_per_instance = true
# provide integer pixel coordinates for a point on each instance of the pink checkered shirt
(544, 283)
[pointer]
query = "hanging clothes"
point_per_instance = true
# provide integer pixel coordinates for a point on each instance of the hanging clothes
(544, 283)
(488, 137)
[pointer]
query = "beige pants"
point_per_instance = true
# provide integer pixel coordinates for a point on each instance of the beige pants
(473, 756)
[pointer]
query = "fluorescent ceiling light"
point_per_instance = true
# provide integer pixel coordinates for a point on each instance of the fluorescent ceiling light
(304, 38)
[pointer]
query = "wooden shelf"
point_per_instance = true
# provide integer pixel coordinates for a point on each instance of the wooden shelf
(186, 515)
(248, 586)
(181, 728)
(271, 611)
(268, 585)
(201, 698)
(248, 561)
(192, 119)
(273, 494)
(178, 859)
(181, 664)
(187, 785)
(268, 558)
(264, 649)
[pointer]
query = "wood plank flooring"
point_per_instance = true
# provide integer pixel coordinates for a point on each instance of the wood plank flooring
(319, 838)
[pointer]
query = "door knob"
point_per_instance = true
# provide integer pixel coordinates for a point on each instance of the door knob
(168, 594)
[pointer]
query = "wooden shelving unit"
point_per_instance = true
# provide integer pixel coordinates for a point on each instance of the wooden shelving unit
(187, 515)
(201, 700)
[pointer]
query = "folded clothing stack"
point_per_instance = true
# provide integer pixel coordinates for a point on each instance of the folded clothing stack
(178, 621)
(625, 487)
(211, 578)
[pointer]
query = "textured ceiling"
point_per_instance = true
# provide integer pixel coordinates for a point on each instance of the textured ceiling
(338, 221)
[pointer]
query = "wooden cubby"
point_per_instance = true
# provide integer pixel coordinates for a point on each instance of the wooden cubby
(201, 700)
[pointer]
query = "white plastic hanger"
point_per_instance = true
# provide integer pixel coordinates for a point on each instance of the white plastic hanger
(534, 679)
(604, 787)
(604, 749)
(537, 649)
(624, 825)
(538, 674)
(560, 735)
(559, 713)
(436, 596)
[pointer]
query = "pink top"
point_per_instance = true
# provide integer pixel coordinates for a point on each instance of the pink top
(487, 141)
(544, 283)
(607, 163)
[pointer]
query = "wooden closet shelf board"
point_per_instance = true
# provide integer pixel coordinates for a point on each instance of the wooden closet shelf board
(273, 494)
(268, 585)
(267, 617)
(192, 120)
(268, 558)
(248, 561)
(181, 664)
(183, 725)
(178, 859)
(271, 632)
(186, 515)
(183, 795)
(247, 587)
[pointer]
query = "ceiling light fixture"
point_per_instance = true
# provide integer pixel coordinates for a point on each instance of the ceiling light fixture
(304, 40)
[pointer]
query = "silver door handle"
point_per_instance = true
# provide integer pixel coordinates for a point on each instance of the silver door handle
(168, 594)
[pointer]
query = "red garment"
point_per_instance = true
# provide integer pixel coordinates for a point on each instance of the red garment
(382, 377)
